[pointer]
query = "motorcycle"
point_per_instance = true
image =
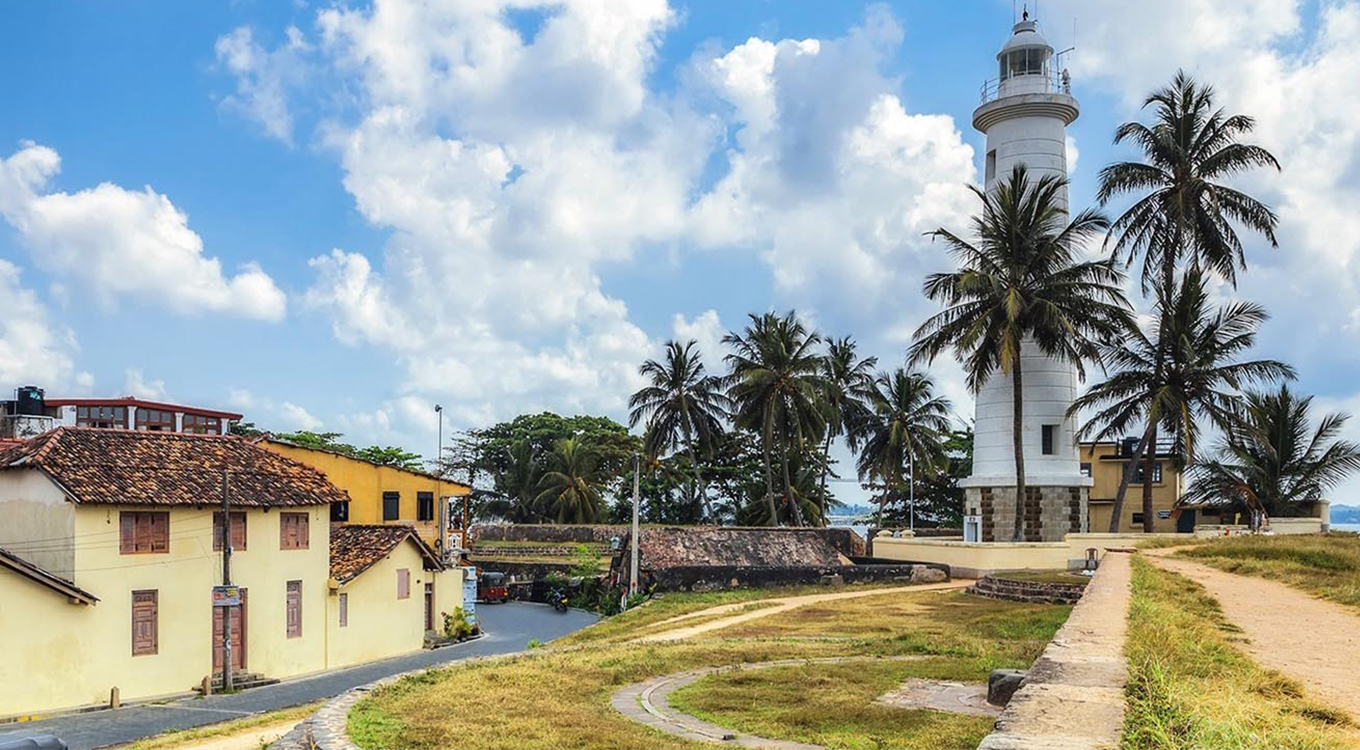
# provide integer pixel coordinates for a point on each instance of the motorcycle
(558, 600)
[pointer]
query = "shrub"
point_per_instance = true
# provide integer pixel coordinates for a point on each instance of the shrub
(456, 625)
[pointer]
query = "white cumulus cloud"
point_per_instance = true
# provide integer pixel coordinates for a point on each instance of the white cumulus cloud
(33, 349)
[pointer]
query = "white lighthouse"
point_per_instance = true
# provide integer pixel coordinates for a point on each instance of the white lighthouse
(1024, 115)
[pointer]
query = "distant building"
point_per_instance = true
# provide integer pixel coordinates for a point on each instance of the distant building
(31, 413)
(1104, 463)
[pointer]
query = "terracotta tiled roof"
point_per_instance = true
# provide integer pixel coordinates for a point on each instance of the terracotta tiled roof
(168, 468)
(43, 578)
(357, 547)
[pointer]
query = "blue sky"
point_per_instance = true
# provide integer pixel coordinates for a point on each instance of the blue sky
(507, 206)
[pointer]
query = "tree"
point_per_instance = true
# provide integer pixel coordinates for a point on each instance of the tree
(849, 380)
(776, 386)
(1184, 213)
(1272, 459)
(1019, 284)
(905, 424)
(390, 456)
(570, 487)
(1175, 384)
(681, 407)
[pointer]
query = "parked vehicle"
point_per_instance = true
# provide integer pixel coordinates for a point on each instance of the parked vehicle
(27, 741)
(492, 588)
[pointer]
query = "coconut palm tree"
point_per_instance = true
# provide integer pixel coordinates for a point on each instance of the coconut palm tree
(570, 488)
(905, 423)
(1176, 384)
(681, 407)
(1184, 212)
(777, 388)
(1020, 284)
(1272, 459)
(848, 382)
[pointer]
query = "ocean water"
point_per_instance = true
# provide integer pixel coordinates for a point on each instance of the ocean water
(1346, 527)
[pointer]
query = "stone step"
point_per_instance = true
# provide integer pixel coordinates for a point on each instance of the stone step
(243, 681)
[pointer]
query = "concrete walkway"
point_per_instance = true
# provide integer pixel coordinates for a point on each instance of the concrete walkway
(775, 607)
(1073, 696)
(509, 628)
(1313, 641)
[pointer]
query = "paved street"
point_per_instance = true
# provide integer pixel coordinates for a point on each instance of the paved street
(509, 628)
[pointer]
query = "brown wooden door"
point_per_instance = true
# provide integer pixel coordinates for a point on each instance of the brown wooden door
(238, 635)
(429, 606)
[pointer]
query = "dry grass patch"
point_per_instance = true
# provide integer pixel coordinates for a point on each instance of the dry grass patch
(833, 705)
(188, 738)
(1327, 565)
(1191, 688)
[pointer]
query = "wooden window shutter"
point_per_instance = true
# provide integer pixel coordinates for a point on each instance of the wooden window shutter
(294, 609)
(217, 532)
(127, 533)
(403, 583)
(160, 531)
(142, 539)
(238, 530)
(293, 532)
(145, 623)
(304, 537)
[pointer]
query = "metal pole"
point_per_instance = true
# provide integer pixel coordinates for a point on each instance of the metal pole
(633, 566)
(226, 581)
(442, 514)
(911, 491)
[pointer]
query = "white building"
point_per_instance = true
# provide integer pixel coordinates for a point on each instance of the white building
(1024, 115)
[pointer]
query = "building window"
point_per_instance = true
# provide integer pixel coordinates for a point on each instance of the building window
(391, 506)
(1048, 432)
(143, 532)
(1023, 62)
(200, 425)
(403, 583)
(108, 417)
(344, 610)
(1137, 518)
(238, 531)
(991, 165)
(294, 609)
(293, 532)
(156, 420)
(145, 623)
(1086, 470)
(424, 506)
(340, 511)
(1156, 473)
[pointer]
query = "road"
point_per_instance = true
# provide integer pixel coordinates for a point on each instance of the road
(509, 628)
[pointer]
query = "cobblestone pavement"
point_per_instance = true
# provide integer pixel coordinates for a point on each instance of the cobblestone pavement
(509, 628)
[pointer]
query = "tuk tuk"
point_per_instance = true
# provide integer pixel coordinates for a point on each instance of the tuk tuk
(492, 588)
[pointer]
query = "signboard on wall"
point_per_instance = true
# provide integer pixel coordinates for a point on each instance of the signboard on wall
(226, 596)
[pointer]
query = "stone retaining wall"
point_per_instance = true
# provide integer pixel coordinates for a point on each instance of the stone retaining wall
(1032, 592)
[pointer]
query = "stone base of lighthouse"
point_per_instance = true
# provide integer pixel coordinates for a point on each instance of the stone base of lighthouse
(1050, 512)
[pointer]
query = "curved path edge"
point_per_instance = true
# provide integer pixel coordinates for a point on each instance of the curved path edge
(648, 702)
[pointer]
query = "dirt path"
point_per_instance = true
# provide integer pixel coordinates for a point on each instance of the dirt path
(1313, 641)
(774, 607)
(253, 738)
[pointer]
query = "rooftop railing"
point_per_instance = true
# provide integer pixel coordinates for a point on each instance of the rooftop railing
(1050, 82)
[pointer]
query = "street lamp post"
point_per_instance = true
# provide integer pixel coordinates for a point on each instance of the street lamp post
(633, 565)
(443, 537)
(911, 491)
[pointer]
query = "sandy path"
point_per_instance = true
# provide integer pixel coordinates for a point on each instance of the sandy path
(777, 606)
(1313, 641)
(253, 738)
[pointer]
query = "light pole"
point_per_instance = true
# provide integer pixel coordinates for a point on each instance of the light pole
(911, 491)
(443, 538)
(633, 566)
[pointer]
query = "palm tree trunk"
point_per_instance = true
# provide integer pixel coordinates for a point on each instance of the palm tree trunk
(766, 438)
(1148, 462)
(1017, 441)
(796, 511)
(698, 473)
(1118, 509)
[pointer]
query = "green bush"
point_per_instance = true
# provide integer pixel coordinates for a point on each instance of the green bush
(456, 625)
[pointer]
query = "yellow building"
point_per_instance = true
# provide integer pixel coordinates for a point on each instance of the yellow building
(380, 494)
(1104, 462)
(110, 547)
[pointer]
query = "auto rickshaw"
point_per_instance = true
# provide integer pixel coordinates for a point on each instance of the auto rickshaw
(491, 588)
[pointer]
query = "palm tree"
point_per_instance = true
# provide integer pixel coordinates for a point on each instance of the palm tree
(1020, 284)
(682, 406)
(1271, 459)
(776, 386)
(905, 424)
(1184, 212)
(517, 486)
(1175, 384)
(848, 382)
(570, 487)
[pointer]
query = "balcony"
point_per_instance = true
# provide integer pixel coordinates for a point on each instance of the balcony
(1051, 81)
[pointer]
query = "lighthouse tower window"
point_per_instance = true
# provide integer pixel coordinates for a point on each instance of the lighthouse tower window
(1029, 61)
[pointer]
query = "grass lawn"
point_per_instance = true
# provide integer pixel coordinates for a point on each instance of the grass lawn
(1191, 688)
(186, 738)
(833, 705)
(558, 697)
(1327, 565)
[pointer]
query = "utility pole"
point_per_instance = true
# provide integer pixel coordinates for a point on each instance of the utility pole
(442, 516)
(226, 581)
(633, 566)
